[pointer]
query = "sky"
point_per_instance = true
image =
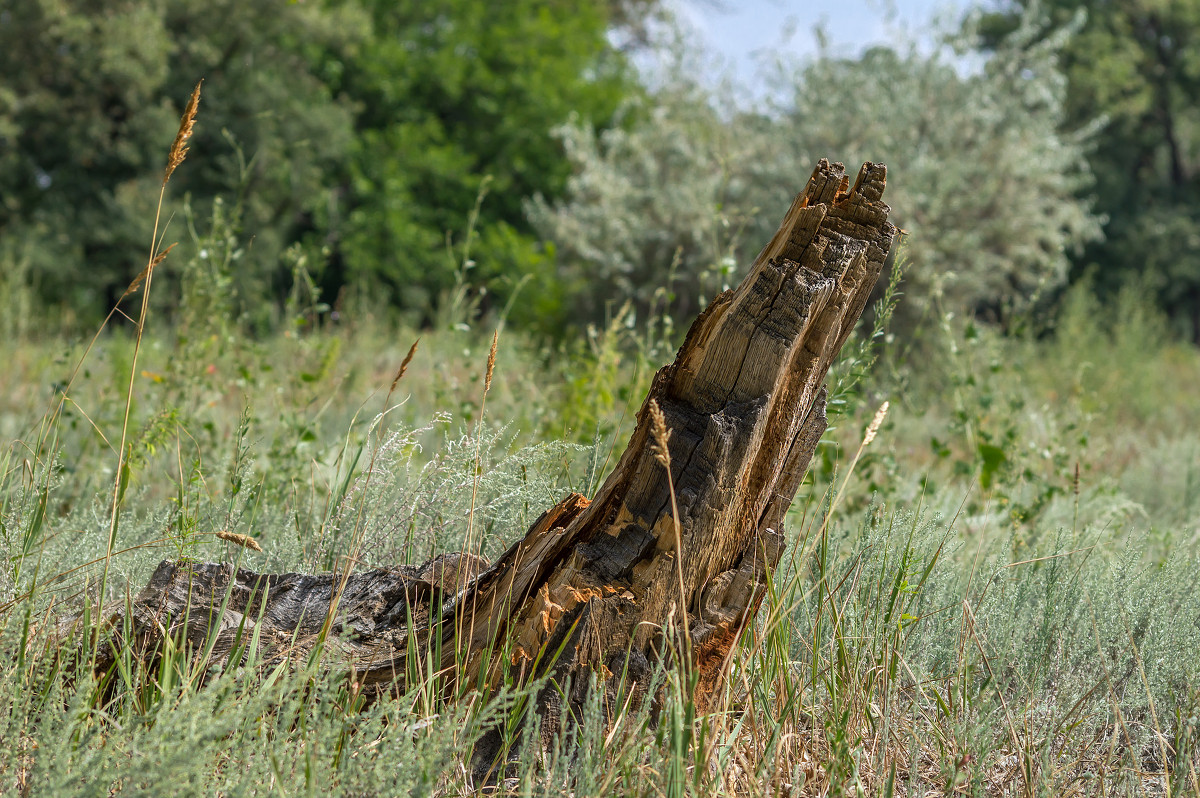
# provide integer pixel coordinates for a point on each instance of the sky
(737, 30)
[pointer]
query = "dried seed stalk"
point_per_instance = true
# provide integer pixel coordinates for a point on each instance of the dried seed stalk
(491, 363)
(144, 273)
(662, 453)
(245, 541)
(179, 148)
(412, 350)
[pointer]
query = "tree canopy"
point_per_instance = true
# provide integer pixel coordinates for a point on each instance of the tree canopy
(90, 96)
(1135, 67)
(987, 182)
(407, 149)
(458, 99)
(365, 130)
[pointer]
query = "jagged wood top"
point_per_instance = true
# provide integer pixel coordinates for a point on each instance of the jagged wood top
(743, 400)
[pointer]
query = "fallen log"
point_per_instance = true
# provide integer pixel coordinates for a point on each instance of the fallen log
(674, 552)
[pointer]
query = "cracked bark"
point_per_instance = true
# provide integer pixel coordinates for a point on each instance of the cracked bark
(596, 581)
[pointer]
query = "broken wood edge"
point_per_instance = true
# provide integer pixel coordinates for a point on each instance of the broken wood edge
(849, 225)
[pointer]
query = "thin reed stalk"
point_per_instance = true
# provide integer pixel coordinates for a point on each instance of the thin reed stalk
(352, 555)
(487, 386)
(466, 548)
(662, 453)
(175, 157)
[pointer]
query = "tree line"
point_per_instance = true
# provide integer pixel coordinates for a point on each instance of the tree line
(410, 151)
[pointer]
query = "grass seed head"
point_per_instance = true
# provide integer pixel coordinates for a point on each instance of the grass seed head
(144, 273)
(245, 541)
(658, 427)
(491, 363)
(412, 350)
(179, 149)
(876, 422)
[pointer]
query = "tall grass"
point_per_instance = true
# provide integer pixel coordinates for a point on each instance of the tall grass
(913, 642)
(993, 597)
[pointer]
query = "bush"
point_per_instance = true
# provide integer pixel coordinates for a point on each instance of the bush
(985, 183)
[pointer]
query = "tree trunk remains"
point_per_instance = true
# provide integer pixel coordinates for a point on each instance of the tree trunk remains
(599, 584)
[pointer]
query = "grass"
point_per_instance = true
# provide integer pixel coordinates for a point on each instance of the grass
(929, 634)
(995, 596)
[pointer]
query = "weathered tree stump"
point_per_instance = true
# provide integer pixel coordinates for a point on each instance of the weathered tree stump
(604, 583)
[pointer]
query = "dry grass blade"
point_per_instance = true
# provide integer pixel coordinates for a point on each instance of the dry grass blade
(468, 544)
(487, 386)
(412, 350)
(144, 273)
(179, 148)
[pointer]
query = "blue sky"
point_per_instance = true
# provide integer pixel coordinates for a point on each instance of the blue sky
(737, 29)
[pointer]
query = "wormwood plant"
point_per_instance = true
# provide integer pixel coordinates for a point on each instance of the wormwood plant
(902, 650)
(898, 653)
(895, 655)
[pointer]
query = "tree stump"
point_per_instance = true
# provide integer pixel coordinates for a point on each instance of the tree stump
(614, 583)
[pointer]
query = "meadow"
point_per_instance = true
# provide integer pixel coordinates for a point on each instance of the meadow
(991, 593)
(996, 598)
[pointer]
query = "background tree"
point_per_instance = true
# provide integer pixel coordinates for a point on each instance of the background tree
(364, 131)
(987, 183)
(1136, 65)
(661, 198)
(990, 182)
(88, 95)
(79, 126)
(451, 95)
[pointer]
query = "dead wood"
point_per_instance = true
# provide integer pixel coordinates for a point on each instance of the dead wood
(604, 583)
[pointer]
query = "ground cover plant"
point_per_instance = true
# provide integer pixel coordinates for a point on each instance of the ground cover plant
(988, 588)
(993, 596)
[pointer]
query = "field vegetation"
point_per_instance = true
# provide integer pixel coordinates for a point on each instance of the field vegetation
(993, 596)
(999, 601)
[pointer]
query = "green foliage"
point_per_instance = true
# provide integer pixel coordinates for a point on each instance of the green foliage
(660, 198)
(995, 596)
(929, 631)
(982, 178)
(451, 95)
(361, 130)
(1133, 66)
(85, 127)
(981, 173)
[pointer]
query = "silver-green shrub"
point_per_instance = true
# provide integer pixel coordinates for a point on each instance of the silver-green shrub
(982, 177)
